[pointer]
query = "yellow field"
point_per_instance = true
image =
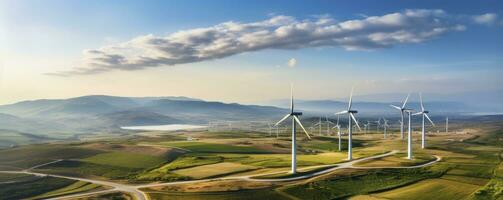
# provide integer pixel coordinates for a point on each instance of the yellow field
(213, 170)
(323, 158)
(431, 189)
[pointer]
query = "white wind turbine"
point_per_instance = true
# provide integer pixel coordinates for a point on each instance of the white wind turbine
(424, 114)
(328, 125)
(378, 124)
(402, 110)
(338, 126)
(385, 126)
(351, 118)
(295, 121)
(446, 125)
(409, 133)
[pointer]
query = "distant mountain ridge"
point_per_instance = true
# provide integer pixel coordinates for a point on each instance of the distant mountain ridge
(96, 113)
(102, 113)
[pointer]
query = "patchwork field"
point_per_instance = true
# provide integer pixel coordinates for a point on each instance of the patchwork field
(213, 170)
(76, 187)
(202, 147)
(431, 189)
(467, 170)
(32, 188)
(127, 160)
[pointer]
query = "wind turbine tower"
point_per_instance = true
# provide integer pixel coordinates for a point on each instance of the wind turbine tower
(402, 110)
(446, 125)
(351, 118)
(295, 120)
(424, 114)
(409, 134)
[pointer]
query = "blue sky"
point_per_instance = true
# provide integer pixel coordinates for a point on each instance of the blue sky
(49, 37)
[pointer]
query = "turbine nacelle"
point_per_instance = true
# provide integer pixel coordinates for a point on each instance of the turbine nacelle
(296, 113)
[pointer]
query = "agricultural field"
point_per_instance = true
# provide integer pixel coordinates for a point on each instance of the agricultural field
(213, 170)
(32, 188)
(76, 187)
(32, 155)
(202, 147)
(431, 189)
(470, 167)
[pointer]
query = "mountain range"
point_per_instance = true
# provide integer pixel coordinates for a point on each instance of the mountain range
(96, 113)
(63, 118)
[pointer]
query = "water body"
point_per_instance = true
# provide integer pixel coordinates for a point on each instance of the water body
(169, 127)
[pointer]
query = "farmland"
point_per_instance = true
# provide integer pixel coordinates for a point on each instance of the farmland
(470, 169)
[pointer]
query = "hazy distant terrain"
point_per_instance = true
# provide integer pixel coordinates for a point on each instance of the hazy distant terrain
(62, 118)
(96, 114)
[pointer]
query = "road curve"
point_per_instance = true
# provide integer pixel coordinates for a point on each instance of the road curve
(438, 158)
(135, 190)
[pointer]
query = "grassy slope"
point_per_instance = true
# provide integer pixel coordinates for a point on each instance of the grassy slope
(76, 187)
(29, 156)
(127, 160)
(32, 188)
(83, 169)
(213, 170)
(372, 180)
(13, 177)
(431, 189)
(240, 195)
(213, 148)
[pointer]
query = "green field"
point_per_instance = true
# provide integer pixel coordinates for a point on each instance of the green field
(431, 189)
(213, 148)
(191, 161)
(470, 168)
(240, 195)
(359, 183)
(29, 156)
(127, 160)
(213, 170)
(32, 188)
(85, 169)
(396, 160)
(76, 187)
(14, 177)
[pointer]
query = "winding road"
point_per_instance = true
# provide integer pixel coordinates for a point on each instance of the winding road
(135, 190)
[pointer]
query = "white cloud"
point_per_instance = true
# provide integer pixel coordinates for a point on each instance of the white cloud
(278, 32)
(486, 19)
(292, 62)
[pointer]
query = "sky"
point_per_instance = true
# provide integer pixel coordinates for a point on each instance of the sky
(237, 51)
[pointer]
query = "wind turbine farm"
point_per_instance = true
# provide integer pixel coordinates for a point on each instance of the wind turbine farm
(163, 100)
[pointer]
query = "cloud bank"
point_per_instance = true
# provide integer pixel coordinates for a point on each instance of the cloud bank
(278, 32)
(485, 19)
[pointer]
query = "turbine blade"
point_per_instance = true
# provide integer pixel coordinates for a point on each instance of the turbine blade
(337, 120)
(421, 99)
(426, 115)
(418, 113)
(342, 112)
(356, 122)
(396, 107)
(291, 98)
(300, 124)
(283, 119)
(406, 99)
(351, 98)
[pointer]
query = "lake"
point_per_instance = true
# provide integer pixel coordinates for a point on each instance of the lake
(169, 127)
